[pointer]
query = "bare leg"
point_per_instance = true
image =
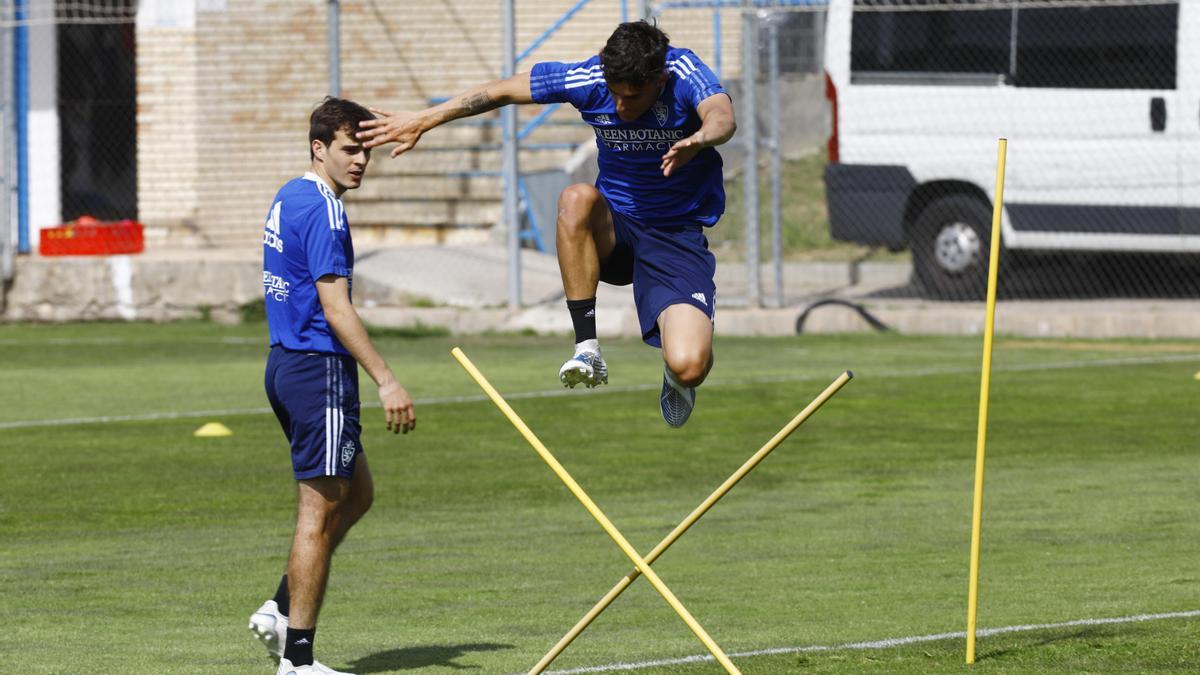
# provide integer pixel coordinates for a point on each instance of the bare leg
(687, 336)
(362, 495)
(585, 236)
(318, 520)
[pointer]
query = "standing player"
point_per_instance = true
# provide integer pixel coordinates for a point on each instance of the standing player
(657, 112)
(317, 344)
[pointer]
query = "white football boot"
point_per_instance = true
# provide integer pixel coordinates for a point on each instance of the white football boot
(270, 627)
(586, 367)
(317, 668)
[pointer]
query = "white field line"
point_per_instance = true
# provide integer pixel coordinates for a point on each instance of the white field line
(550, 393)
(101, 341)
(89, 341)
(880, 644)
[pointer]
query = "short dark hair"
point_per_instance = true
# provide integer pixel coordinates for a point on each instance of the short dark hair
(332, 115)
(636, 53)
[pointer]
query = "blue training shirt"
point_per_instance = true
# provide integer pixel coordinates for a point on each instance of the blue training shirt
(306, 237)
(631, 152)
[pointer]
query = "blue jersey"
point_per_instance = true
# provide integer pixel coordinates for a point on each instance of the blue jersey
(306, 237)
(631, 153)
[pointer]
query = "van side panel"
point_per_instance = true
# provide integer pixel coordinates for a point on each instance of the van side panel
(866, 203)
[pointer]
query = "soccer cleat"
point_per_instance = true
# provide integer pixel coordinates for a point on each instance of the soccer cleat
(587, 368)
(317, 668)
(676, 401)
(270, 627)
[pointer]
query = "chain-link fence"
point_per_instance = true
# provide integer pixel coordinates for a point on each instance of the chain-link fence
(97, 112)
(1098, 98)
(1099, 101)
(187, 115)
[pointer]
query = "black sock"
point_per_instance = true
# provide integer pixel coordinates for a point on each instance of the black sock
(299, 646)
(583, 315)
(281, 596)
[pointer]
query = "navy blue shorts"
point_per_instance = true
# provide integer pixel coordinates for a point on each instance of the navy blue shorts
(315, 397)
(666, 265)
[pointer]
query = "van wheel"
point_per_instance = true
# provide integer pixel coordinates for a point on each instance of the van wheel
(950, 244)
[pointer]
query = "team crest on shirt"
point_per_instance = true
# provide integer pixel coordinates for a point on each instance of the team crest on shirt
(660, 113)
(347, 453)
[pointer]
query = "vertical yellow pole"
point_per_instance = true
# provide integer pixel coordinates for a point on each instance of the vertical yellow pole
(622, 543)
(984, 387)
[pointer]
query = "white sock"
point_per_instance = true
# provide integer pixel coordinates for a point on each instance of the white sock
(592, 345)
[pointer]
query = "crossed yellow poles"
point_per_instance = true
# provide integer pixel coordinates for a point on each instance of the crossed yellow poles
(642, 565)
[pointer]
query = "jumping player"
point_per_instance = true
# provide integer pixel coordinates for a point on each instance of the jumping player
(317, 344)
(657, 111)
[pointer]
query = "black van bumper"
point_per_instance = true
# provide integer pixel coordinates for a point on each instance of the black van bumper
(866, 203)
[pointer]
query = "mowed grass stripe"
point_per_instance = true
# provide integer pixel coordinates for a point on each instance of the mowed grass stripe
(146, 548)
(886, 643)
(623, 389)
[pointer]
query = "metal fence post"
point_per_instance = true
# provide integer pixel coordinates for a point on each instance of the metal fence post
(749, 128)
(776, 160)
(334, 39)
(509, 118)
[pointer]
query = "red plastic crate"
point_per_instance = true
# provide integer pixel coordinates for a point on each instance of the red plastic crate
(88, 236)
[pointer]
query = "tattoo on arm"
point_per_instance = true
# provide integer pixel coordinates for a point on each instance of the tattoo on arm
(478, 103)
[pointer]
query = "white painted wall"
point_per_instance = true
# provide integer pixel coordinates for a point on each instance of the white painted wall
(45, 208)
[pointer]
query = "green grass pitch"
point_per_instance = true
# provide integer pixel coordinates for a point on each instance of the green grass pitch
(133, 547)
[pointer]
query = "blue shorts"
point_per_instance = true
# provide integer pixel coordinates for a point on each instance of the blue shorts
(667, 265)
(315, 397)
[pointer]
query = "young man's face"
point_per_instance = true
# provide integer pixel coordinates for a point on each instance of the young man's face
(344, 160)
(634, 100)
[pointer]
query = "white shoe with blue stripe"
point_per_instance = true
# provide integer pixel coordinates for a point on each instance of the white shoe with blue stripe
(676, 401)
(270, 627)
(586, 367)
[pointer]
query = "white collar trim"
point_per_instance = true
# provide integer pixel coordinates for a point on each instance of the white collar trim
(309, 175)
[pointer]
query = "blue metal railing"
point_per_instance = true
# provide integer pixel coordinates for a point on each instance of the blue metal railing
(559, 23)
(531, 233)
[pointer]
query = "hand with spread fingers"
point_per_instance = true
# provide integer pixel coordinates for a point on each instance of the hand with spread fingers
(682, 152)
(402, 128)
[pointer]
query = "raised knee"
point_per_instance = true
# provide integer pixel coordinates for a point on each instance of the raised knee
(689, 366)
(575, 206)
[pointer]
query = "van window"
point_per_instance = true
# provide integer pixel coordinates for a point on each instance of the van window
(931, 42)
(1129, 47)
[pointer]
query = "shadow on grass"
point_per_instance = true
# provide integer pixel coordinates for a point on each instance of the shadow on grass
(1042, 641)
(410, 658)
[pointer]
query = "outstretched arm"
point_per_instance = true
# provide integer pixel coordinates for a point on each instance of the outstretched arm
(406, 128)
(716, 127)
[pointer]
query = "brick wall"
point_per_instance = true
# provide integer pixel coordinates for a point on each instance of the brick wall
(223, 106)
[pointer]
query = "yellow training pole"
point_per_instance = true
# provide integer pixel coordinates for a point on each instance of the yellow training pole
(691, 519)
(587, 502)
(984, 387)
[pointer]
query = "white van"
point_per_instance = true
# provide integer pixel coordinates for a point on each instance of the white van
(1101, 106)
